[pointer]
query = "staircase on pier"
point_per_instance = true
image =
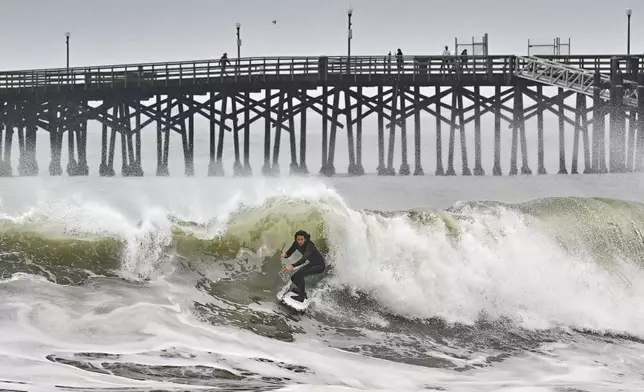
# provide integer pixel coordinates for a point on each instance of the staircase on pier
(582, 81)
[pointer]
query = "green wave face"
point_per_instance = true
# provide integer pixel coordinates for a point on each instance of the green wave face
(608, 230)
(60, 259)
(269, 227)
(604, 229)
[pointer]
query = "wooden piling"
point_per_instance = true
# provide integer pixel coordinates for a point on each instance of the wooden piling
(248, 171)
(418, 167)
(266, 168)
(303, 169)
(439, 138)
(452, 133)
(617, 158)
(404, 166)
(639, 155)
(382, 170)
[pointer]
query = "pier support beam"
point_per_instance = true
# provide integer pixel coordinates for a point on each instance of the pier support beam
(525, 168)
(136, 170)
(639, 155)
(599, 128)
(562, 134)
(382, 169)
(359, 167)
(105, 169)
(303, 169)
(404, 166)
(478, 168)
(188, 137)
(248, 171)
(540, 148)
(28, 166)
(330, 165)
(457, 112)
(275, 170)
(350, 142)
(163, 137)
(55, 140)
(238, 168)
(266, 167)
(632, 133)
(392, 132)
(617, 161)
(581, 126)
(294, 168)
(325, 130)
(75, 124)
(418, 167)
(440, 171)
(450, 151)
(81, 146)
(217, 166)
(6, 130)
(496, 170)
(130, 155)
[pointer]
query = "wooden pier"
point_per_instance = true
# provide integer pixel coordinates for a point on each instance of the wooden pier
(338, 93)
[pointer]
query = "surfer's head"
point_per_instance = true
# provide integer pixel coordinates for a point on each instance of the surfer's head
(301, 237)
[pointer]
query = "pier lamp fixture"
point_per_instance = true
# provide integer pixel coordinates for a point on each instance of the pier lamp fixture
(67, 35)
(349, 37)
(629, 12)
(238, 26)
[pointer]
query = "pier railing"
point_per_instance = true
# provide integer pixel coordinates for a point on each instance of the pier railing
(315, 69)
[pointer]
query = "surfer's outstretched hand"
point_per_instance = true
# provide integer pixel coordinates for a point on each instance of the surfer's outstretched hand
(288, 268)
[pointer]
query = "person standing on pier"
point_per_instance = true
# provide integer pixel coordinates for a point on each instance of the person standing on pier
(222, 63)
(463, 59)
(399, 60)
(446, 60)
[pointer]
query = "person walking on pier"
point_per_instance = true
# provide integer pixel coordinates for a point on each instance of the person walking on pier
(222, 63)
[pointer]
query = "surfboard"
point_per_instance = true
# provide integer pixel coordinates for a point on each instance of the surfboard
(285, 296)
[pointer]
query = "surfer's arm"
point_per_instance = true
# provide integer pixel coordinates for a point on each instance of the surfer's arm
(305, 256)
(290, 250)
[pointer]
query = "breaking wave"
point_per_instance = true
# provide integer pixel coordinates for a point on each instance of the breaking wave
(555, 262)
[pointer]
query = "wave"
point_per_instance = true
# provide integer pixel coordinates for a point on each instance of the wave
(544, 263)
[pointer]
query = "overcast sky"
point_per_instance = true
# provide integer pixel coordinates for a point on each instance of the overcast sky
(135, 31)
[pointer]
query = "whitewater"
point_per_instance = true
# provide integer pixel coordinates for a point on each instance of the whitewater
(434, 283)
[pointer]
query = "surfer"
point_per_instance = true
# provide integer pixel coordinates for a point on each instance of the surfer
(310, 253)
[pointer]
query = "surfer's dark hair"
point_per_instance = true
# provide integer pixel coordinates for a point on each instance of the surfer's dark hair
(304, 234)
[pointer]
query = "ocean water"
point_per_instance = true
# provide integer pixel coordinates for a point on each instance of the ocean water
(526, 283)
(512, 283)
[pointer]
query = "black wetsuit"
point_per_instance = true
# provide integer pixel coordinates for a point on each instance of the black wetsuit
(316, 264)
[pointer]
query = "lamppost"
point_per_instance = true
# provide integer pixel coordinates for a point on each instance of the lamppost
(238, 25)
(67, 35)
(349, 37)
(629, 12)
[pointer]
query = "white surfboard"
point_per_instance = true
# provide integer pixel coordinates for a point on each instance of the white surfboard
(285, 297)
